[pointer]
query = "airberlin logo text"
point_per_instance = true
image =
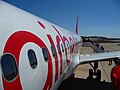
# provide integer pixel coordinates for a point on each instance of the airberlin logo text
(18, 39)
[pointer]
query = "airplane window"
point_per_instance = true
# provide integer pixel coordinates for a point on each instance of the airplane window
(45, 54)
(65, 46)
(68, 45)
(62, 47)
(73, 45)
(58, 49)
(32, 58)
(9, 67)
(53, 51)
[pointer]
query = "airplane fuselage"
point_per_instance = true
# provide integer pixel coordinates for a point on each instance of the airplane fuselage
(35, 54)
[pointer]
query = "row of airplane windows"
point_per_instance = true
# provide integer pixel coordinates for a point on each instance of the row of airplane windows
(9, 66)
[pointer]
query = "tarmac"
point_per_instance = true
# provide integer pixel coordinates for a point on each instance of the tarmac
(80, 81)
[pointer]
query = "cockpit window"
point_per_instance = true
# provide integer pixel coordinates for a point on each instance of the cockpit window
(32, 58)
(45, 54)
(9, 67)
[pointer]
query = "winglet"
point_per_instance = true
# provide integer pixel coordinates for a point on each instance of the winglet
(77, 26)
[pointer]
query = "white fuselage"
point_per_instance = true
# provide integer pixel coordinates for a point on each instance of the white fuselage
(21, 32)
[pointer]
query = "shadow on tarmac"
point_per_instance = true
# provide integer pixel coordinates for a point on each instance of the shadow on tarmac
(84, 84)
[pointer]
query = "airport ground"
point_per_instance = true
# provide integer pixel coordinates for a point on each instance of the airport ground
(80, 81)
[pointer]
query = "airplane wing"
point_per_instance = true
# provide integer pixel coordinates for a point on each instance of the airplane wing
(101, 54)
(87, 58)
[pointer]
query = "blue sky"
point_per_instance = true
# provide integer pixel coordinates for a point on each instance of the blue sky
(96, 17)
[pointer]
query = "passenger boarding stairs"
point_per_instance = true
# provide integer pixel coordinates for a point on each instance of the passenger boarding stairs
(95, 46)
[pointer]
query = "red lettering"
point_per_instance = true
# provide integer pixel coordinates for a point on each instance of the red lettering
(14, 45)
(71, 47)
(63, 40)
(58, 42)
(41, 24)
(56, 58)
